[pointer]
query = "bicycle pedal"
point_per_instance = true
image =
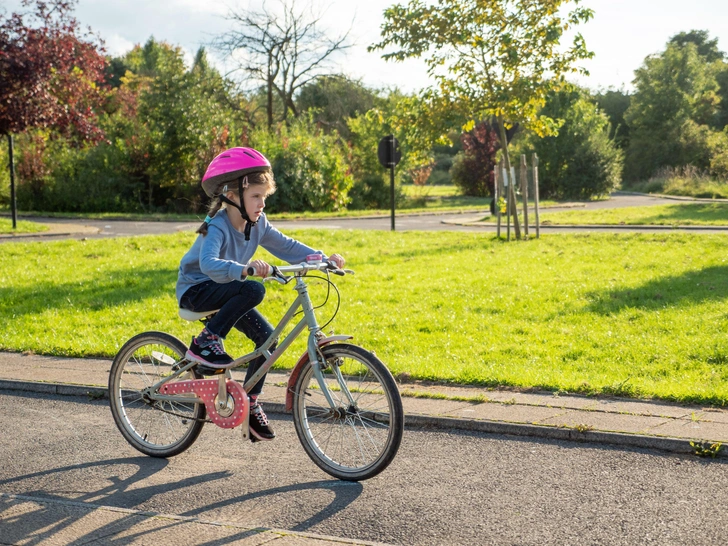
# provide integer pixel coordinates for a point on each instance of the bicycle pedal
(207, 370)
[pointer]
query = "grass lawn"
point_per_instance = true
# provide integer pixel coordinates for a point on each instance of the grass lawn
(679, 214)
(443, 190)
(6, 227)
(627, 314)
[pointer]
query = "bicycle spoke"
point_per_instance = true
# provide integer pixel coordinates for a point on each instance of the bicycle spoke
(355, 438)
(155, 428)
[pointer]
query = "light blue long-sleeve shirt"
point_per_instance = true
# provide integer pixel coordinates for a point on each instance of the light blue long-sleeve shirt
(222, 254)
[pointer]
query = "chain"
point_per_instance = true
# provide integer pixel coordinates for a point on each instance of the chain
(156, 406)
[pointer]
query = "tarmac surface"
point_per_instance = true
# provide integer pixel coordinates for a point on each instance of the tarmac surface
(470, 221)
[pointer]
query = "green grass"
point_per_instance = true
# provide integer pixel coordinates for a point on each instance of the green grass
(6, 227)
(627, 314)
(679, 214)
(449, 190)
(685, 181)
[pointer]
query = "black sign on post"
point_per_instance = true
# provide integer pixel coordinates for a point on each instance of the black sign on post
(389, 155)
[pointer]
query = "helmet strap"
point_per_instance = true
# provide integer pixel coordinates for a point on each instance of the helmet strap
(242, 184)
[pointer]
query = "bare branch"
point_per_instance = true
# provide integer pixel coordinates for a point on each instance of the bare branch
(281, 52)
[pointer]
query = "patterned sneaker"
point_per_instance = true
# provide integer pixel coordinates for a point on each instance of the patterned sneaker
(207, 349)
(259, 428)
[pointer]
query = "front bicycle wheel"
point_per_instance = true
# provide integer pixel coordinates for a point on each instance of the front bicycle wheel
(359, 436)
(156, 428)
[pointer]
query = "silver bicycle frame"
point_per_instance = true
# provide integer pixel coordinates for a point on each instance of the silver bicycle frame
(303, 300)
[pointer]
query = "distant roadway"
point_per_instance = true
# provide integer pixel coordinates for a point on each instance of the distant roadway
(403, 222)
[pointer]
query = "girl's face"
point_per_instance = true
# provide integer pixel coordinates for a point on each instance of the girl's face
(254, 201)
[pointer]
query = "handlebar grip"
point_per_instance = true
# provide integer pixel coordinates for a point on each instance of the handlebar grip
(250, 271)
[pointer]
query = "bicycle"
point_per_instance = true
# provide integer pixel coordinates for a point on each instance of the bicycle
(346, 407)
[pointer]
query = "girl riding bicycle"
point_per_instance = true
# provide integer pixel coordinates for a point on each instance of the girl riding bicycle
(213, 272)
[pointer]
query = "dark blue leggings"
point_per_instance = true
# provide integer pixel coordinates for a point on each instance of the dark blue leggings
(236, 301)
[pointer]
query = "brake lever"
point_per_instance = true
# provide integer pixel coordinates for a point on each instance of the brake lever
(278, 276)
(331, 266)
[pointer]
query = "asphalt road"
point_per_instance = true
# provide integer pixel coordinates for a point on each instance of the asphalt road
(422, 222)
(441, 489)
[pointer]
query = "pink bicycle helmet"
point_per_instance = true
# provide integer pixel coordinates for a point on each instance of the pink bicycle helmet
(231, 165)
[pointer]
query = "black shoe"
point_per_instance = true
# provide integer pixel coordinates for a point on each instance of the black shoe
(207, 349)
(260, 430)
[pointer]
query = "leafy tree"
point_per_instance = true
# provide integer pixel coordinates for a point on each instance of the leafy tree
(50, 72)
(189, 123)
(334, 99)
(473, 170)
(582, 161)
(614, 104)
(490, 58)
(677, 92)
(707, 48)
(398, 114)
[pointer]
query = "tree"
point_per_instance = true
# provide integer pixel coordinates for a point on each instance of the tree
(188, 117)
(677, 93)
(281, 52)
(490, 58)
(473, 170)
(707, 48)
(398, 114)
(334, 99)
(50, 74)
(582, 161)
(614, 104)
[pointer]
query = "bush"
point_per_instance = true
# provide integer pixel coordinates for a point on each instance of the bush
(687, 181)
(472, 169)
(581, 161)
(309, 167)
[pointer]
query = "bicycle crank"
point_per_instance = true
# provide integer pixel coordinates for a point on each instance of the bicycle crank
(228, 411)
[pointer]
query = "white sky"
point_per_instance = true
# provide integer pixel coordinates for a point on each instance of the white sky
(621, 34)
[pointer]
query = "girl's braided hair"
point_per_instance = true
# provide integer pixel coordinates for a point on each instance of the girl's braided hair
(252, 179)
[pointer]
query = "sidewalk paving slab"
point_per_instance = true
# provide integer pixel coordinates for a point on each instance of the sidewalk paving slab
(617, 421)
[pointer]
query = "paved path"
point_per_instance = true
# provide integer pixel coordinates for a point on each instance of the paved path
(614, 421)
(63, 228)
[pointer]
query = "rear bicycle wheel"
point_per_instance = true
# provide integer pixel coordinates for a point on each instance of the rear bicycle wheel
(156, 428)
(358, 437)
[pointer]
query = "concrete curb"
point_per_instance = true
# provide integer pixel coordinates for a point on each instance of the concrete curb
(39, 234)
(625, 227)
(674, 197)
(619, 439)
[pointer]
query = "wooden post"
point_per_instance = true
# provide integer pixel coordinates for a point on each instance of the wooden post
(496, 194)
(534, 166)
(514, 204)
(507, 188)
(524, 192)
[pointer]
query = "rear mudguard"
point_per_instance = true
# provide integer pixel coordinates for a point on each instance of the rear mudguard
(301, 363)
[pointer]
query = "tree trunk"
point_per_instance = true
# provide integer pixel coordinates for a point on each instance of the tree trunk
(511, 189)
(269, 106)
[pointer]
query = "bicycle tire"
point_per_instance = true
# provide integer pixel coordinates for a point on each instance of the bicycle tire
(351, 442)
(154, 428)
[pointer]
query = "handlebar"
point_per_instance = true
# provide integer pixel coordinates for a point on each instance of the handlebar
(278, 273)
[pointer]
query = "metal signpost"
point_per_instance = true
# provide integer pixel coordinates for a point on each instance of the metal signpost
(13, 202)
(389, 155)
